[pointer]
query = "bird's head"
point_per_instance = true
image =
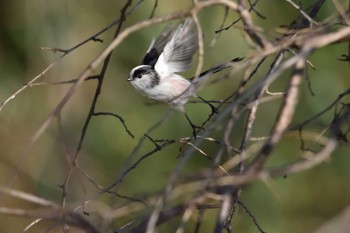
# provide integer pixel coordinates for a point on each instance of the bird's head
(143, 77)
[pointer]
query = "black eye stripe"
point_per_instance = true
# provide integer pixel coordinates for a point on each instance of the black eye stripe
(139, 72)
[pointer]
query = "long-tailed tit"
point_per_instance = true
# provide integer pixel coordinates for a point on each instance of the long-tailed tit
(170, 53)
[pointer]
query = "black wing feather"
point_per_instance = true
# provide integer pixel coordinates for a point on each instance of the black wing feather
(151, 57)
(157, 47)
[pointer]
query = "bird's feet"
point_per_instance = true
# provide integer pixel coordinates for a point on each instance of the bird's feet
(214, 110)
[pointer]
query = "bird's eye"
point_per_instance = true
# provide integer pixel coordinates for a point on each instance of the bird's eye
(139, 76)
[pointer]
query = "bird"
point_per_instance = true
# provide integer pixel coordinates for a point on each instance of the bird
(172, 52)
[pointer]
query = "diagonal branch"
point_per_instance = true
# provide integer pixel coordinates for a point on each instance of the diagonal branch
(283, 120)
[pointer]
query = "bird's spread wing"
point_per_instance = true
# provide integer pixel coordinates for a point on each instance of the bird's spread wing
(157, 46)
(178, 52)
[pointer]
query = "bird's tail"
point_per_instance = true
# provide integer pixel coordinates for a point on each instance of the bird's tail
(218, 68)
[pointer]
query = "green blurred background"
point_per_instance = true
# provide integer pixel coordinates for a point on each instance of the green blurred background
(300, 203)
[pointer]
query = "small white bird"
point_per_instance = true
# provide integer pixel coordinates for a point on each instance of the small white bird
(170, 53)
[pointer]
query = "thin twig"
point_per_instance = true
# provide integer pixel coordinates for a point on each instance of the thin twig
(311, 21)
(251, 216)
(116, 116)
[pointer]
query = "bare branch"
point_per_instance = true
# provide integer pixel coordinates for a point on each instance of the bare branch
(284, 118)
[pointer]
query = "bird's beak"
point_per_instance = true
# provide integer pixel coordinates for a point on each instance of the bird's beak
(129, 79)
